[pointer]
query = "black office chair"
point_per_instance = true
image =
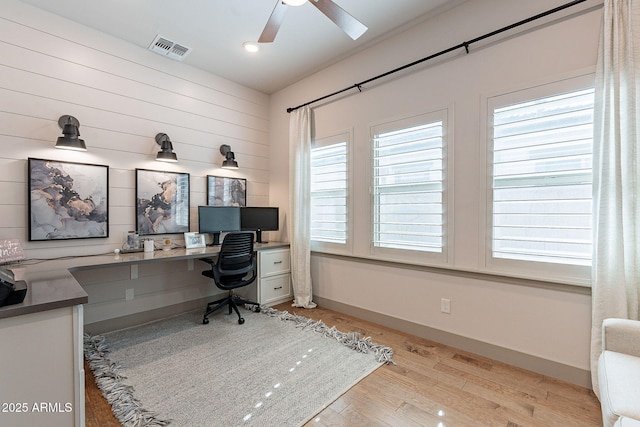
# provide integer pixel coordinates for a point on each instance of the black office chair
(234, 268)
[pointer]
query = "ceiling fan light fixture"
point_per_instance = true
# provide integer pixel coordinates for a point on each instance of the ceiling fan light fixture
(251, 47)
(347, 23)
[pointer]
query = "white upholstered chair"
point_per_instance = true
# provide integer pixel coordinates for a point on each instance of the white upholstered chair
(619, 373)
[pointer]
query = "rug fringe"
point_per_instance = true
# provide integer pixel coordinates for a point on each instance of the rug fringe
(126, 408)
(351, 340)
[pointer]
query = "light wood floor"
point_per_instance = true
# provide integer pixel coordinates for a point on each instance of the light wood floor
(430, 385)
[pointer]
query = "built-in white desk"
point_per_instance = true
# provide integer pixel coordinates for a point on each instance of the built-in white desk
(41, 339)
(51, 284)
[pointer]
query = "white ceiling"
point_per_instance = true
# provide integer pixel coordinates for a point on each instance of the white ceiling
(215, 30)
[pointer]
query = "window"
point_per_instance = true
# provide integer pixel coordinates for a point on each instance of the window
(408, 184)
(541, 168)
(329, 184)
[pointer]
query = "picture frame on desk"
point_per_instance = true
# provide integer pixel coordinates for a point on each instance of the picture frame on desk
(162, 202)
(194, 240)
(223, 191)
(67, 200)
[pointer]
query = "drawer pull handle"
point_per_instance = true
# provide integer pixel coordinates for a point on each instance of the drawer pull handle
(279, 287)
(277, 262)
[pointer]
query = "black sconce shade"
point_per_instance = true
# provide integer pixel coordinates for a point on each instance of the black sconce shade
(70, 129)
(166, 153)
(229, 157)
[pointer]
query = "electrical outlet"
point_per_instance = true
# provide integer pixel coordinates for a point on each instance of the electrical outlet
(445, 305)
(128, 294)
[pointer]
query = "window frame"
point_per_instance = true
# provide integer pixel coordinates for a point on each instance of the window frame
(417, 257)
(537, 270)
(323, 141)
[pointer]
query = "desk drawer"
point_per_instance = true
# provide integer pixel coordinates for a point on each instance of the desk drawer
(275, 288)
(274, 262)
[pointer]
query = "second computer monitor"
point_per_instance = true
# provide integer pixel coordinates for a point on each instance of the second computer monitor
(259, 219)
(218, 219)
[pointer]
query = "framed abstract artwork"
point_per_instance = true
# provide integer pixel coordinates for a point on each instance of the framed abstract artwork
(222, 191)
(162, 202)
(67, 200)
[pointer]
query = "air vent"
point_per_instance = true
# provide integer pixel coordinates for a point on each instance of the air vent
(166, 47)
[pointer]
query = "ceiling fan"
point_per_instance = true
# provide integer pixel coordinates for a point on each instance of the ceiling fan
(335, 13)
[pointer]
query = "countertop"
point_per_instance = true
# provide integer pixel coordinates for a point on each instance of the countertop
(51, 285)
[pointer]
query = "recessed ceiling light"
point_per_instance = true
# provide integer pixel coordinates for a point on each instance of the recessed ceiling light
(251, 47)
(294, 2)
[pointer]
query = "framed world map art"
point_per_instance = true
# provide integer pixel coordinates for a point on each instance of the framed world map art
(67, 200)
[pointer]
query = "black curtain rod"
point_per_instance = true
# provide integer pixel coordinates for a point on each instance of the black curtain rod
(464, 45)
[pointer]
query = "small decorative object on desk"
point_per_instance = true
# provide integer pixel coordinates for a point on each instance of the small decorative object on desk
(10, 250)
(194, 240)
(133, 241)
(166, 244)
(149, 245)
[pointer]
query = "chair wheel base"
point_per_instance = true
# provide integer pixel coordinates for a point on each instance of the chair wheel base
(241, 320)
(205, 321)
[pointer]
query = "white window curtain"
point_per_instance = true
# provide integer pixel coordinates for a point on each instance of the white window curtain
(616, 257)
(300, 206)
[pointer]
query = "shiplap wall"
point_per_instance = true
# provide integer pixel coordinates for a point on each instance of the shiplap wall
(122, 95)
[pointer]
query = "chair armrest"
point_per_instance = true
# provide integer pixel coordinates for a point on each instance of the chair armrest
(621, 336)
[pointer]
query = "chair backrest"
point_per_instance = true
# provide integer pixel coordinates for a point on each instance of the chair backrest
(236, 259)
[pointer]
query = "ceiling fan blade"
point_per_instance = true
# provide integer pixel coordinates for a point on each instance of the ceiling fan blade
(340, 17)
(273, 24)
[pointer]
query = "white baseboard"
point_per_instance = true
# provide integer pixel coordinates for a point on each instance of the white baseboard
(539, 365)
(542, 366)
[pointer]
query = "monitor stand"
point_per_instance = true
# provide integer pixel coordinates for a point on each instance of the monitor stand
(216, 239)
(259, 236)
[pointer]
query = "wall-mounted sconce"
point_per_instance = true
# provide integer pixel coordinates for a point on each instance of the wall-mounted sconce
(70, 129)
(166, 153)
(229, 157)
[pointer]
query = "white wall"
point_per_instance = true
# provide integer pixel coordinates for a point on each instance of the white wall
(550, 322)
(123, 95)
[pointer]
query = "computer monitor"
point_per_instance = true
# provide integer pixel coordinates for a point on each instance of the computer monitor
(259, 219)
(218, 219)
